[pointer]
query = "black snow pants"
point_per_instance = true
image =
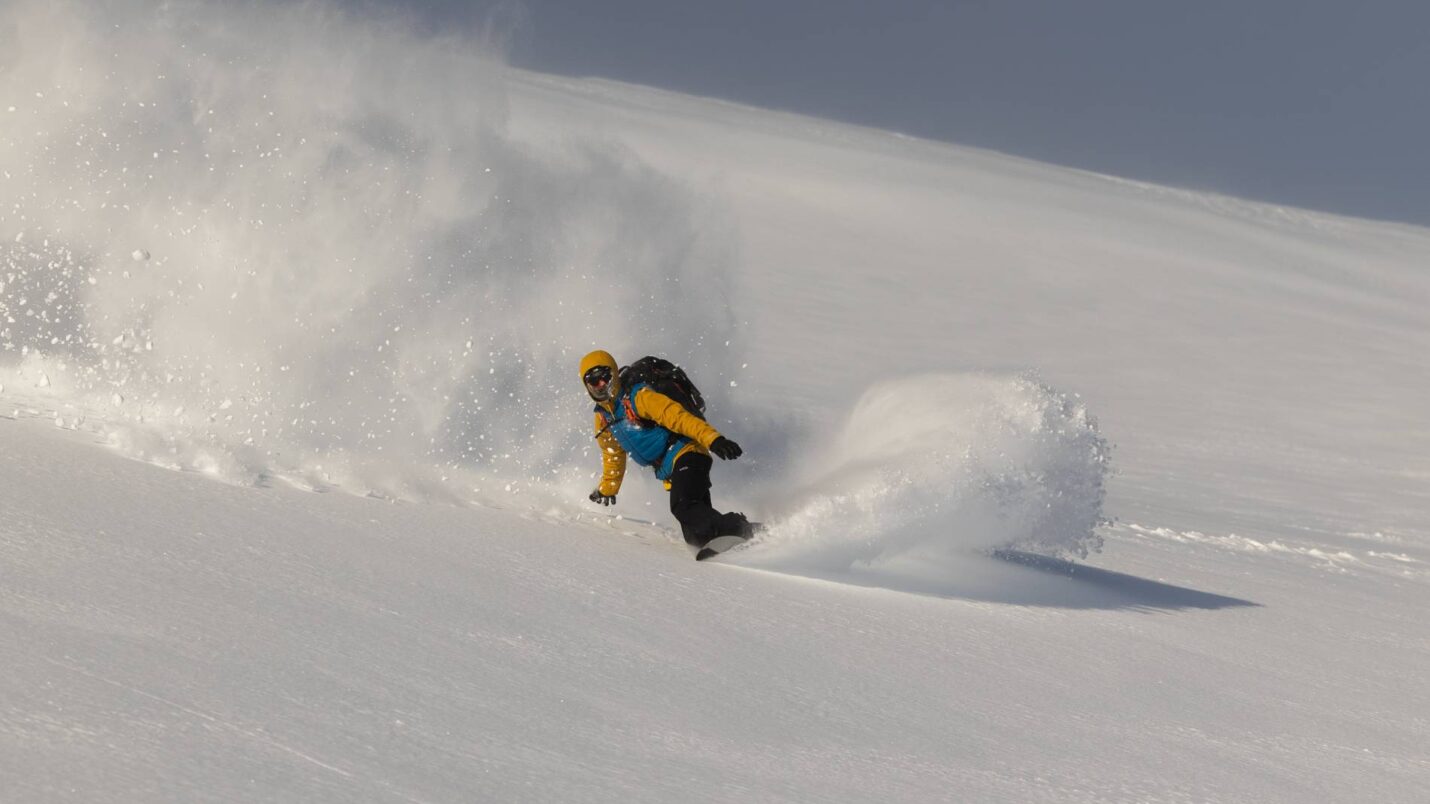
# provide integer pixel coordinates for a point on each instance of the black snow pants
(690, 503)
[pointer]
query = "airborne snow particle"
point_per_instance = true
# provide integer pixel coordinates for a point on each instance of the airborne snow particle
(140, 255)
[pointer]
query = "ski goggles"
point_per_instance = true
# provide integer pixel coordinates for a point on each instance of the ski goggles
(598, 381)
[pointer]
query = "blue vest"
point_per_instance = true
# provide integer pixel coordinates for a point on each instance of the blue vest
(646, 442)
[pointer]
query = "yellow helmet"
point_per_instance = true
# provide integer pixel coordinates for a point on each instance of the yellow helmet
(601, 375)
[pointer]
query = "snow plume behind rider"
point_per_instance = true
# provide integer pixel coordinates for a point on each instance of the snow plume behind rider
(256, 256)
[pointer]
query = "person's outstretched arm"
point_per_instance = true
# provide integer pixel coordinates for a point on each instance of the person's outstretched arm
(673, 416)
(613, 464)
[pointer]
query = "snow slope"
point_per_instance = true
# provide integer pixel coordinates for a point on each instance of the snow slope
(173, 639)
(297, 249)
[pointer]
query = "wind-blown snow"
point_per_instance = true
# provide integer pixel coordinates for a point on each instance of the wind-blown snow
(292, 242)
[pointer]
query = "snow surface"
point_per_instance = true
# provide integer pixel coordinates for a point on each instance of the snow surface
(1079, 489)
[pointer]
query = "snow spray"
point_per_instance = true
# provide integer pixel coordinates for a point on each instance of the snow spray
(929, 469)
(295, 239)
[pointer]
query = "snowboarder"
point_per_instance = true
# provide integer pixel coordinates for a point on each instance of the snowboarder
(660, 432)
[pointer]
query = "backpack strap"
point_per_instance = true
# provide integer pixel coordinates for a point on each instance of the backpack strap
(628, 401)
(629, 406)
(610, 420)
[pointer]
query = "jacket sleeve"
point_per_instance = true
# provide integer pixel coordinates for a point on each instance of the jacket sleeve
(673, 416)
(613, 459)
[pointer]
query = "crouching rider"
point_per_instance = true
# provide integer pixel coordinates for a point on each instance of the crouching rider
(658, 432)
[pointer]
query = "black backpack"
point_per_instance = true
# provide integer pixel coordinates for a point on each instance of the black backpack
(666, 378)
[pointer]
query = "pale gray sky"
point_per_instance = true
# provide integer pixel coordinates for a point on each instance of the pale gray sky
(1315, 103)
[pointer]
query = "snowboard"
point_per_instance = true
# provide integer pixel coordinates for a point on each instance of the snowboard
(718, 545)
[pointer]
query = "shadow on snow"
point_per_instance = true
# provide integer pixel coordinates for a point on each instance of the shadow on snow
(1027, 579)
(1129, 590)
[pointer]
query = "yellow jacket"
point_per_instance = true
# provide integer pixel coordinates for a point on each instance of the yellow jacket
(664, 411)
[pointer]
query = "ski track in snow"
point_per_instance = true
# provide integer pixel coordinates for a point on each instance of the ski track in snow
(1344, 561)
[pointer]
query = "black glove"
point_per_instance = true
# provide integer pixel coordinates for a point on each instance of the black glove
(726, 449)
(602, 499)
